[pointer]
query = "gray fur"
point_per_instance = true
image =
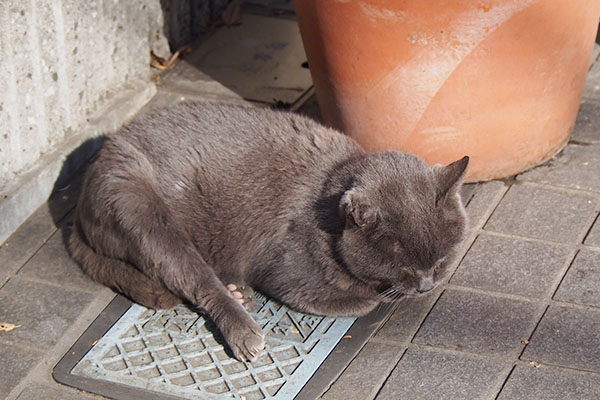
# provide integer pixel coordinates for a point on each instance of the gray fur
(187, 199)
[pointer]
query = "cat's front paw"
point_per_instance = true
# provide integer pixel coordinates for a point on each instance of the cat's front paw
(245, 339)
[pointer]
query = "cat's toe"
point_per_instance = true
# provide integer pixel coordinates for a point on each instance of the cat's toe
(235, 293)
(253, 347)
(241, 293)
(247, 344)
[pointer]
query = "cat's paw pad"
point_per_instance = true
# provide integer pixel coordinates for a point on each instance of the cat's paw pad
(242, 294)
(247, 342)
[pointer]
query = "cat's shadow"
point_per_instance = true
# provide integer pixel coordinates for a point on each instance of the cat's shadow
(67, 186)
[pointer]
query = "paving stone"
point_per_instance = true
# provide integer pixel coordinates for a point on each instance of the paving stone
(25, 241)
(406, 318)
(477, 323)
(587, 125)
(511, 265)
(592, 82)
(44, 311)
(261, 59)
(311, 109)
(567, 337)
(593, 237)
(543, 213)
(582, 283)
(367, 372)
(15, 363)
(529, 382)
(427, 374)
(187, 82)
(595, 53)
(53, 263)
(270, 7)
(576, 167)
(483, 200)
(37, 392)
(466, 192)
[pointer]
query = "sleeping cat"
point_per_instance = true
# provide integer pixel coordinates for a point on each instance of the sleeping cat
(202, 203)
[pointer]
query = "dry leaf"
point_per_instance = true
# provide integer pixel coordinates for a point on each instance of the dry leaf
(157, 62)
(524, 341)
(347, 336)
(7, 327)
(164, 65)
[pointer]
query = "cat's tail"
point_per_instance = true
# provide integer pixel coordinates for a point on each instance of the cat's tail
(119, 275)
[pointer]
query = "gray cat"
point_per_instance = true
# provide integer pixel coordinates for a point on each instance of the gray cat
(201, 203)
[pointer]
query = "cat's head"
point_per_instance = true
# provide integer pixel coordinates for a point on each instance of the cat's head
(404, 221)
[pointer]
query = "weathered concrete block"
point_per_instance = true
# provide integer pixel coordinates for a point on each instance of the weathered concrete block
(71, 71)
(24, 108)
(66, 66)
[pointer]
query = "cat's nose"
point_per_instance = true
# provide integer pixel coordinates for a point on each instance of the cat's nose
(425, 284)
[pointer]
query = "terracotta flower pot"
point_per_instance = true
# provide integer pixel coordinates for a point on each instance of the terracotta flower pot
(498, 80)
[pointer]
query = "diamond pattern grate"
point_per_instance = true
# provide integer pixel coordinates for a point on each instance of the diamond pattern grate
(175, 352)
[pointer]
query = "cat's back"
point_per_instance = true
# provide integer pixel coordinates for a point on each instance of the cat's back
(232, 142)
(220, 129)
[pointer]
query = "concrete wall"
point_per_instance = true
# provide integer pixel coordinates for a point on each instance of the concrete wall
(186, 19)
(70, 71)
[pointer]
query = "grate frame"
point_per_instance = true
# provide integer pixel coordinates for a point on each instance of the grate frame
(313, 383)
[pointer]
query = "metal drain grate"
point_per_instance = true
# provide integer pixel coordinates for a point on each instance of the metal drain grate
(174, 352)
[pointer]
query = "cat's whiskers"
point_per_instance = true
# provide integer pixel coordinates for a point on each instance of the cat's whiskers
(393, 293)
(387, 292)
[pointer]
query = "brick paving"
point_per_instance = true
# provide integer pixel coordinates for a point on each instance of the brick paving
(519, 318)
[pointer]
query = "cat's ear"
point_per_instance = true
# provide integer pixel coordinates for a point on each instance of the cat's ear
(357, 210)
(450, 176)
